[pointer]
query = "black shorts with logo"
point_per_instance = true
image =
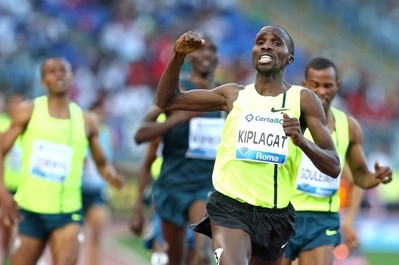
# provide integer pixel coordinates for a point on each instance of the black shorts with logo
(269, 229)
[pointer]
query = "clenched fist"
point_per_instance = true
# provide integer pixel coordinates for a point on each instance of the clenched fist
(188, 42)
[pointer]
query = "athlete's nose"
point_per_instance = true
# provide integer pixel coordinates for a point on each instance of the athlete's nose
(267, 46)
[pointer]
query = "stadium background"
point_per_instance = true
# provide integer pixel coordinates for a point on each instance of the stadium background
(121, 47)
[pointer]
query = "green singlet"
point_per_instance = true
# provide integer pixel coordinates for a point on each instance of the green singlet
(53, 152)
(255, 163)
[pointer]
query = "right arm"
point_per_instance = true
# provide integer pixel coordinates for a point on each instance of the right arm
(19, 121)
(170, 96)
(150, 129)
(104, 167)
(137, 218)
(350, 212)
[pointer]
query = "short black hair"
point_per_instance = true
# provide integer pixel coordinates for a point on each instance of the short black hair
(320, 63)
(291, 46)
(66, 62)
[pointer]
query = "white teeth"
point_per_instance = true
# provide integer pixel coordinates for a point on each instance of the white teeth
(265, 59)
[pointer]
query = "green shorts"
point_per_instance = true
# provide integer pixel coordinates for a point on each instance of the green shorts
(313, 229)
(173, 206)
(40, 226)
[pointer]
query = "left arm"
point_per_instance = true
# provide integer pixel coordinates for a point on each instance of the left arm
(105, 168)
(322, 152)
(349, 213)
(355, 157)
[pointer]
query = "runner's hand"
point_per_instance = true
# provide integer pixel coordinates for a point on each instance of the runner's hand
(113, 178)
(350, 236)
(9, 212)
(117, 181)
(292, 129)
(136, 221)
(188, 42)
(384, 174)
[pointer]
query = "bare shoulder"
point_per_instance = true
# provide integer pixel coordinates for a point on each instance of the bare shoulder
(307, 94)
(355, 130)
(230, 92)
(90, 116)
(91, 120)
(232, 87)
(23, 112)
(310, 102)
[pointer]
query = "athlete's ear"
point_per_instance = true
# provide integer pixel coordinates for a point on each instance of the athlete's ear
(291, 59)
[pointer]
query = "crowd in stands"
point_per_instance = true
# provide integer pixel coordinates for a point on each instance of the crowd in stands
(376, 19)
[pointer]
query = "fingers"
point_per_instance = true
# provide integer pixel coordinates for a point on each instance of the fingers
(376, 166)
(383, 173)
(387, 179)
(118, 183)
(10, 219)
(9, 211)
(188, 42)
(353, 244)
(193, 39)
(136, 226)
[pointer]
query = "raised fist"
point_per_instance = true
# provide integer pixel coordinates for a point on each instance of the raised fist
(188, 42)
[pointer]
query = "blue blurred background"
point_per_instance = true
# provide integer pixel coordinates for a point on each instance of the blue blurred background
(121, 48)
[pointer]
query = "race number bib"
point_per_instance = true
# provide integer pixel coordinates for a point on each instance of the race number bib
(204, 137)
(311, 181)
(51, 161)
(261, 138)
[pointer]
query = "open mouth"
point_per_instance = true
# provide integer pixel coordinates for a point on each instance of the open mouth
(265, 59)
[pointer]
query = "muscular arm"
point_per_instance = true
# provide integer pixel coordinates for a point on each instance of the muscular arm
(137, 218)
(355, 157)
(149, 128)
(105, 168)
(349, 213)
(170, 96)
(322, 152)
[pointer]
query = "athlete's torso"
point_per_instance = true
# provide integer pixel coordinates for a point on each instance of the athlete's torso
(52, 163)
(256, 163)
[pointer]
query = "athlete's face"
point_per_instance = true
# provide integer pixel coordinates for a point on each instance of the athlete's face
(270, 51)
(57, 76)
(204, 61)
(324, 83)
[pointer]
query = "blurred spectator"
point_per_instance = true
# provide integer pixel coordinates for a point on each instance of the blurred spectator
(369, 102)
